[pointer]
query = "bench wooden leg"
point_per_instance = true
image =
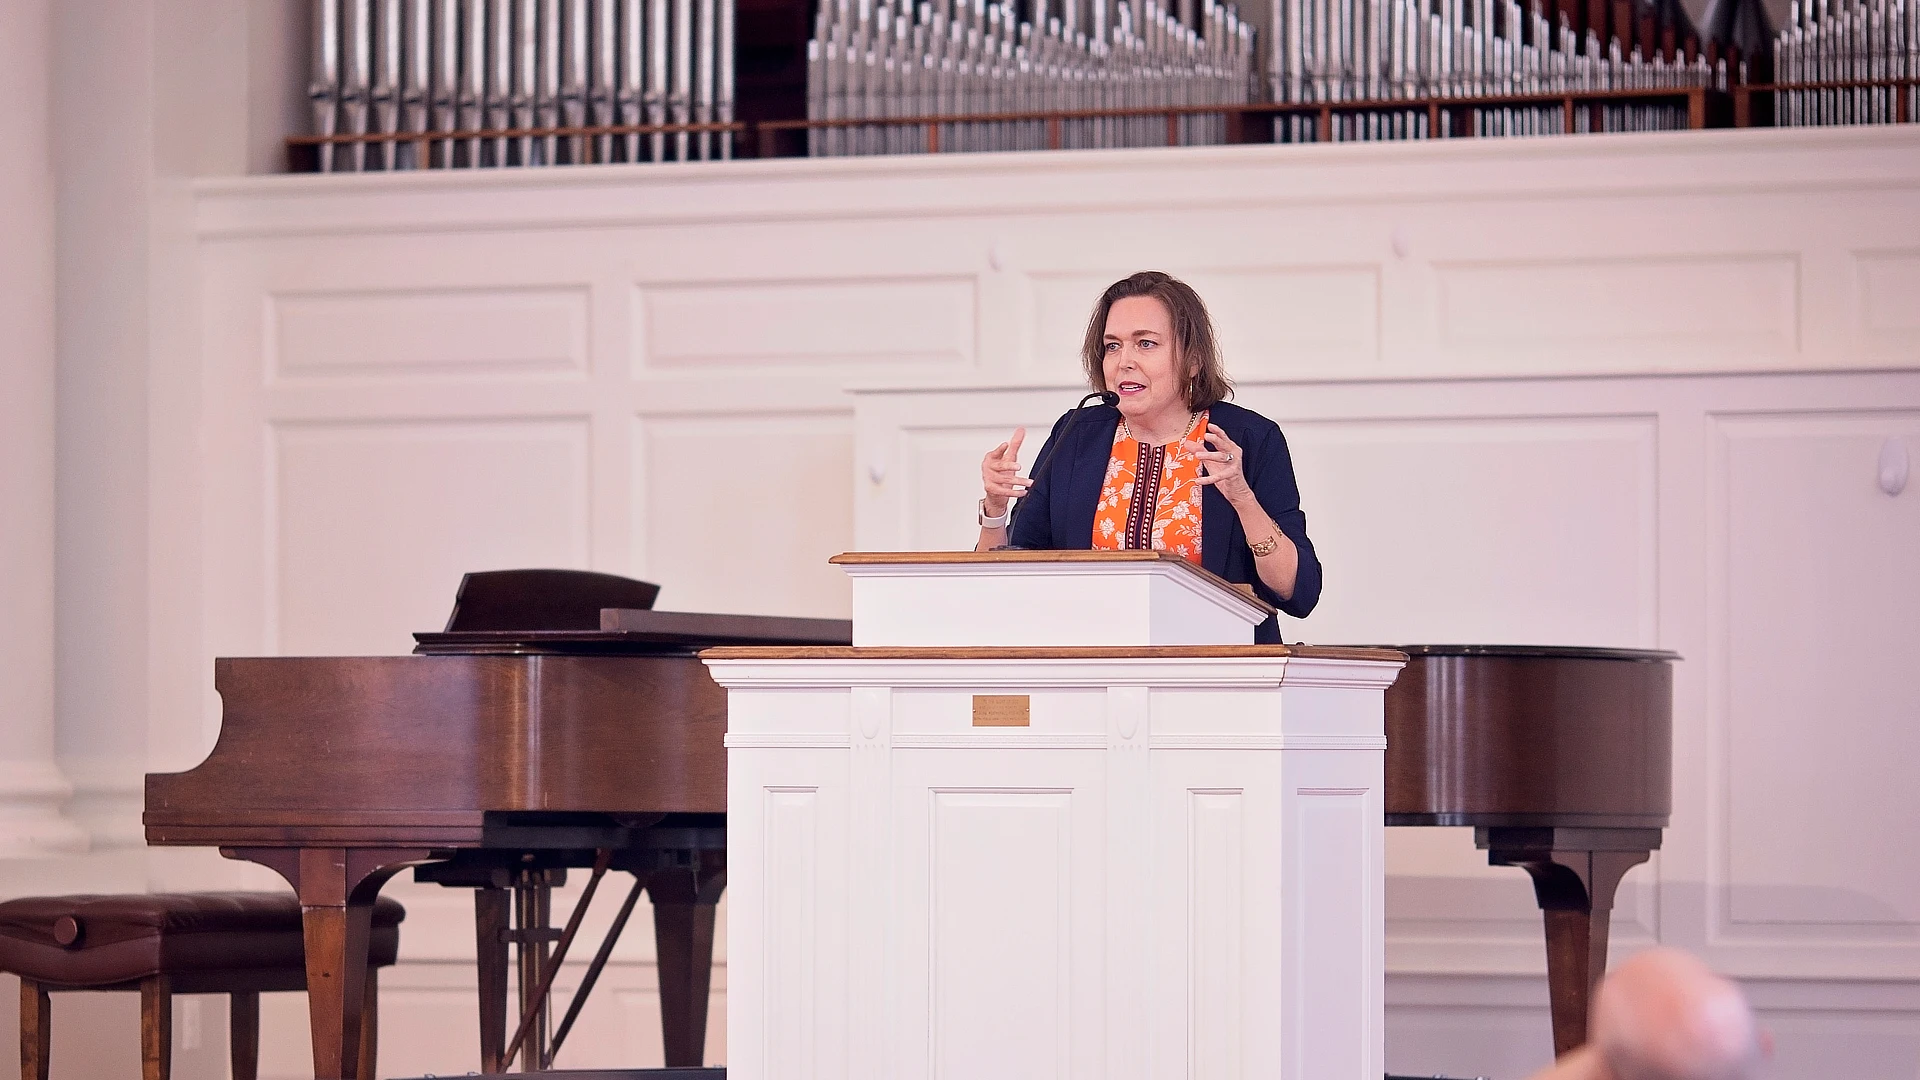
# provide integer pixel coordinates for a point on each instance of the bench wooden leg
(36, 1030)
(156, 1028)
(243, 1039)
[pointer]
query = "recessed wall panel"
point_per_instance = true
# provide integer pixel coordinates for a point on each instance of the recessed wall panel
(742, 515)
(373, 523)
(429, 332)
(788, 325)
(1888, 282)
(791, 931)
(1641, 312)
(999, 940)
(1215, 875)
(941, 467)
(1330, 845)
(1500, 529)
(1817, 630)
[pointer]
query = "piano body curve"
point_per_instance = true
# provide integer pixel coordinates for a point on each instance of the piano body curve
(1560, 759)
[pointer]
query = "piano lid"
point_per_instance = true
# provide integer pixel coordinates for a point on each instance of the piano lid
(495, 600)
(578, 612)
(628, 631)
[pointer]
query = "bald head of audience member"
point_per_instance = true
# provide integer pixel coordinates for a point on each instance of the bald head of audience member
(1663, 1016)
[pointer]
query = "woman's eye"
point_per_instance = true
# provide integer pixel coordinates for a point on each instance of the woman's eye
(1148, 343)
(1113, 346)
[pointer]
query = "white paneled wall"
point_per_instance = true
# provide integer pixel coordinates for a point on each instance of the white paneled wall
(1623, 390)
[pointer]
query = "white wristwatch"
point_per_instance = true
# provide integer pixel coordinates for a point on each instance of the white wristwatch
(1000, 522)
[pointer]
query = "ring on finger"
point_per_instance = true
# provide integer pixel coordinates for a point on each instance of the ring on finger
(1228, 459)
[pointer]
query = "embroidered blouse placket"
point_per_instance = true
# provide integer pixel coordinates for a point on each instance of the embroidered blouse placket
(1151, 498)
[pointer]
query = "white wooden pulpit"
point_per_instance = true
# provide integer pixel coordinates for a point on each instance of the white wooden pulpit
(1053, 815)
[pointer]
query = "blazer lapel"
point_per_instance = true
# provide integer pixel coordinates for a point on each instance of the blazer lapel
(1080, 488)
(1218, 524)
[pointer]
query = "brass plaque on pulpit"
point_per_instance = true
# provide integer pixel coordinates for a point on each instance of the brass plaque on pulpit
(1000, 710)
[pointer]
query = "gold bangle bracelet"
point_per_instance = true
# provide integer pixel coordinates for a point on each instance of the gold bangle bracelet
(1265, 547)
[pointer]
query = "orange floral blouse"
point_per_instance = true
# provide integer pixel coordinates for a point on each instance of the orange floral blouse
(1166, 513)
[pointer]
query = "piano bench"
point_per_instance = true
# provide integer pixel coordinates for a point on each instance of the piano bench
(241, 944)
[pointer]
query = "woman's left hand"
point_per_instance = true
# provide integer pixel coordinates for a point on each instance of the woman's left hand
(1222, 464)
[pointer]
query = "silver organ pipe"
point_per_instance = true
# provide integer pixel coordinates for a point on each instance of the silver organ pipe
(895, 59)
(604, 82)
(633, 86)
(682, 97)
(390, 69)
(385, 95)
(448, 102)
(324, 82)
(499, 112)
(417, 95)
(471, 112)
(357, 76)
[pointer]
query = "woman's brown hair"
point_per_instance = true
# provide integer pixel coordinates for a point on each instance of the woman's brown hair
(1193, 338)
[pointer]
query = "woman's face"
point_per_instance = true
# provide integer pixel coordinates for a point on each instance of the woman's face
(1139, 362)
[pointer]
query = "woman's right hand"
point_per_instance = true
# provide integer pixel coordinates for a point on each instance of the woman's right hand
(1000, 474)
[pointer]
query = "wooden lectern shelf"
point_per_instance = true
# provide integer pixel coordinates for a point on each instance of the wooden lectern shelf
(1022, 555)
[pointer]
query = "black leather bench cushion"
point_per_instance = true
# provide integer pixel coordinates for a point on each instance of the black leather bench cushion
(132, 936)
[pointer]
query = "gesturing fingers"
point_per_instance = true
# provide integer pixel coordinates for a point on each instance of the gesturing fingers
(1000, 470)
(1219, 457)
(1007, 489)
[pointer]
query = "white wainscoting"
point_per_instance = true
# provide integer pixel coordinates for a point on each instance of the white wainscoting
(1611, 390)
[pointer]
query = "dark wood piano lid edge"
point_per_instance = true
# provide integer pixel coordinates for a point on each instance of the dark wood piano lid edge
(772, 629)
(642, 632)
(1475, 819)
(1538, 652)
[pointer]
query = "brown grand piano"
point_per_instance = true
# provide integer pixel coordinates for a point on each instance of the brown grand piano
(1561, 761)
(555, 724)
(501, 756)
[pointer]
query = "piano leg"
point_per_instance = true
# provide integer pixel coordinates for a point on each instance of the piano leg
(684, 901)
(336, 887)
(1575, 874)
(490, 913)
(369, 1051)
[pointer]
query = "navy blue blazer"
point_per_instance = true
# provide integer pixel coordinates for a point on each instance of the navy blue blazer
(1057, 512)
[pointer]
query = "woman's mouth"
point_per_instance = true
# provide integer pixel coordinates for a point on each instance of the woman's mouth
(1130, 388)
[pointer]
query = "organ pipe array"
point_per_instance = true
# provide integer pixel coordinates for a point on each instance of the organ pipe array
(1384, 50)
(407, 84)
(404, 67)
(1828, 42)
(882, 59)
